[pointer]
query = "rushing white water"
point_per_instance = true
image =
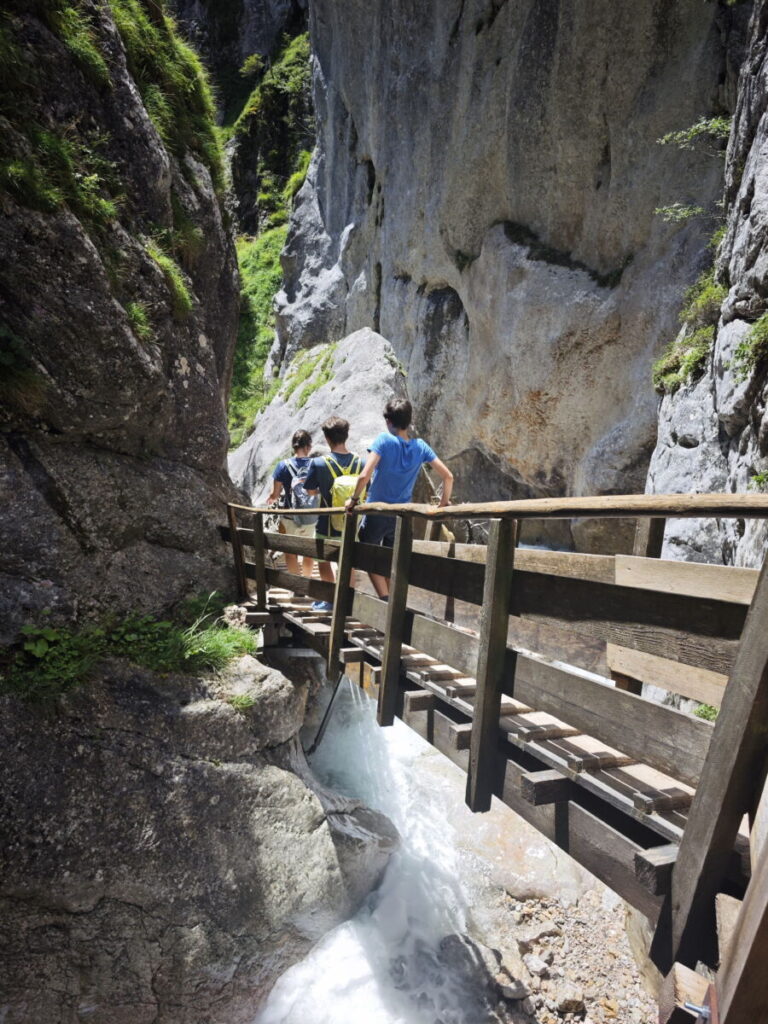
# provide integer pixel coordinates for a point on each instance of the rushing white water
(383, 966)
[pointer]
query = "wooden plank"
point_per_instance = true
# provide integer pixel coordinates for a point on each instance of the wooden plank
(726, 791)
(536, 725)
(727, 910)
(587, 752)
(257, 618)
(694, 579)
(667, 739)
(460, 734)
(259, 556)
(653, 867)
(319, 590)
(622, 506)
(419, 700)
(492, 656)
(394, 631)
(237, 554)
(342, 596)
(649, 537)
(681, 985)
(545, 787)
(351, 655)
(697, 683)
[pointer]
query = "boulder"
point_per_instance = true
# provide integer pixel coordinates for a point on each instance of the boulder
(162, 857)
(353, 378)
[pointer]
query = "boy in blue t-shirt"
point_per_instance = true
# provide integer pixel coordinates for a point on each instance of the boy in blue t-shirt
(394, 463)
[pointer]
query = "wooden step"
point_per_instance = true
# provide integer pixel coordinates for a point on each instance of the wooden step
(538, 725)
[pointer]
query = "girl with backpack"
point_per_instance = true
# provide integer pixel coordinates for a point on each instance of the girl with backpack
(288, 481)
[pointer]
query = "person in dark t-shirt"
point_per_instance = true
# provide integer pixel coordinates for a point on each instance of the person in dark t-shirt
(323, 471)
(282, 482)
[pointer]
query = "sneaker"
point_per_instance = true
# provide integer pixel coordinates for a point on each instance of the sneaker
(322, 606)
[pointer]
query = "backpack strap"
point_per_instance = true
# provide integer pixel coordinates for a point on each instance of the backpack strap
(330, 463)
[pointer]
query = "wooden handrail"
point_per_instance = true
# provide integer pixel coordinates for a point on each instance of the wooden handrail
(624, 506)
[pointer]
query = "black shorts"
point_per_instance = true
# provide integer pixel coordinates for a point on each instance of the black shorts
(378, 530)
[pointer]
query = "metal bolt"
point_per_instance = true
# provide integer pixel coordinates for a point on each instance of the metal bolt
(702, 1011)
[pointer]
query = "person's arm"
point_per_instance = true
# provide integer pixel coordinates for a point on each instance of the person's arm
(447, 477)
(363, 480)
(277, 490)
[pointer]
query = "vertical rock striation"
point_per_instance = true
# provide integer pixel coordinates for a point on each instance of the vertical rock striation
(713, 431)
(483, 195)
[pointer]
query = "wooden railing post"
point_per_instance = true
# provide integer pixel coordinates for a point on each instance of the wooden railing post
(649, 537)
(237, 553)
(393, 634)
(342, 593)
(259, 555)
(726, 791)
(491, 660)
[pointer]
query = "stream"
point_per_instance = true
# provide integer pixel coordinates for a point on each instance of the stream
(392, 963)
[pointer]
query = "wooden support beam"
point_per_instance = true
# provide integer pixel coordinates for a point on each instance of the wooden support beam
(726, 791)
(342, 596)
(681, 985)
(394, 632)
(653, 867)
(419, 700)
(259, 554)
(350, 655)
(258, 618)
(492, 657)
(545, 787)
(649, 538)
(237, 554)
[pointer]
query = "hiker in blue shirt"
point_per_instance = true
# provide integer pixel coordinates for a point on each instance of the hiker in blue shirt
(286, 471)
(323, 470)
(394, 463)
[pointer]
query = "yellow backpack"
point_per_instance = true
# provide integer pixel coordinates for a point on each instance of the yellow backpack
(343, 486)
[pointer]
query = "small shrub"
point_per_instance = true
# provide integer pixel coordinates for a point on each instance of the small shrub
(683, 360)
(752, 352)
(252, 66)
(759, 482)
(139, 320)
(298, 177)
(706, 711)
(678, 213)
(708, 129)
(181, 299)
(702, 302)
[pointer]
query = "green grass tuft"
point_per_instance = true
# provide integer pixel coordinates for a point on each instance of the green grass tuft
(298, 177)
(139, 320)
(702, 302)
(321, 375)
(72, 26)
(683, 360)
(759, 482)
(181, 298)
(242, 702)
(752, 352)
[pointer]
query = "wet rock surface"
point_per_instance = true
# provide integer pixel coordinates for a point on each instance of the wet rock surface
(165, 855)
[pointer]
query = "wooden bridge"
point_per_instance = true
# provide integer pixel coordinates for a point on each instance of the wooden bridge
(525, 667)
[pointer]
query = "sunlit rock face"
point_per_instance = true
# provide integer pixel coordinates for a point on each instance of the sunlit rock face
(483, 194)
(112, 422)
(713, 432)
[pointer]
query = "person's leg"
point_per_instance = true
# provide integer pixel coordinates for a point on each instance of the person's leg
(380, 584)
(307, 564)
(378, 530)
(292, 563)
(326, 572)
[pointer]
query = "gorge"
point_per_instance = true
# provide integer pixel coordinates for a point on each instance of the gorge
(541, 220)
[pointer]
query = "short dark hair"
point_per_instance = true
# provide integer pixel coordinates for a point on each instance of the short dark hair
(336, 430)
(301, 439)
(399, 412)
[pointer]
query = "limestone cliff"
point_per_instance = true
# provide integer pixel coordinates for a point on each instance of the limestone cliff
(713, 430)
(118, 312)
(483, 193)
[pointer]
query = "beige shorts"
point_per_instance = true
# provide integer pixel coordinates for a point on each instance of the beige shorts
(293, 528)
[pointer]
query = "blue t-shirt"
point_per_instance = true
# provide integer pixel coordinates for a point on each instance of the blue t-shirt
(284, 475)
(398, 467)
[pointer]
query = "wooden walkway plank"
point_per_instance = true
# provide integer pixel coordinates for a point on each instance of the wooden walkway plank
(492, 657)
(342, 595)
(394, 631)
(726, 791)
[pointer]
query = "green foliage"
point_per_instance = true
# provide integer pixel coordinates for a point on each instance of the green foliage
(759, 482)
(252, 66)
(683, 360)
(752, 352)
(278, 118)
(322, 374)
(173, 84)
(678, 213)
(260, 277)
(72, 26)
(187, 238)
(706, 711)
(702, 302)
(708, 129)
(181, 299)
(298, 177)
(50, 661)
(242, 702)
(717, 237)
(139, 319)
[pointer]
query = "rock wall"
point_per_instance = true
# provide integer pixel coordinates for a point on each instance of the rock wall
(483, 195)
(118, 312)
(713, 431)
(165, 856)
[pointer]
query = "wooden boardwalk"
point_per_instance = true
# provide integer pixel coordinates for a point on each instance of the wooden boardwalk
(525, 667)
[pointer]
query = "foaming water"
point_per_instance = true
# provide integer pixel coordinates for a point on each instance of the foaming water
(383, 966)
